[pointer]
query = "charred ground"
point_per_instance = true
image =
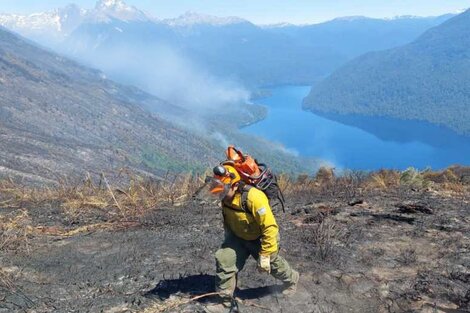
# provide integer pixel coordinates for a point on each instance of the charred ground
(376, 242)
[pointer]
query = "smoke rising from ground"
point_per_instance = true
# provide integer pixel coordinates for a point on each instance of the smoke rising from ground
(221, 139)
(168, 74)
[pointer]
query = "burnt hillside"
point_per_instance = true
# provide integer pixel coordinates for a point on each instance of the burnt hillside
(382, 242)
(59, 118)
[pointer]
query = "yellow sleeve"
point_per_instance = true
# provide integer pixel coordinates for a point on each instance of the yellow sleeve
(258, 203)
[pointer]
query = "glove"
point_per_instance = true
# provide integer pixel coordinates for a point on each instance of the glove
(264, 263)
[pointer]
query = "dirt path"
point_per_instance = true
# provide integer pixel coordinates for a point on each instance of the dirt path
(389, 252)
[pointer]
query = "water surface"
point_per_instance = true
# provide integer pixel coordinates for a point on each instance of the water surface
(357, 142)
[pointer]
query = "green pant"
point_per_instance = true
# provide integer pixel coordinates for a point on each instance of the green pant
(231, 258)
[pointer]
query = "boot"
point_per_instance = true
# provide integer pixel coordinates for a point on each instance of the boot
(223, 305)
(291, 288)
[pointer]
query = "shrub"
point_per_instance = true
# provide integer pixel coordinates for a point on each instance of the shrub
(383, 179)
(407, 256)
(325, 175)
(325, 237)
(413, 178)
(445, 176)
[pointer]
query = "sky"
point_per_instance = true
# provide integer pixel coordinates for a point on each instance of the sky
(264, 11)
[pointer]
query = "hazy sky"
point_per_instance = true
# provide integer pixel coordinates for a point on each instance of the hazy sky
(264, 11)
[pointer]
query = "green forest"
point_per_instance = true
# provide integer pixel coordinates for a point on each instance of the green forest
(428, 80)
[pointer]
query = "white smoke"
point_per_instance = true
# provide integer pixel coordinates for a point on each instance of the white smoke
(220, 139)
(290, 151)
(168, 74)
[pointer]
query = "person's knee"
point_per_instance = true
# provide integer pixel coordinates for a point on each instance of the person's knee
(225, 257)
(276, 261)
(279, 264)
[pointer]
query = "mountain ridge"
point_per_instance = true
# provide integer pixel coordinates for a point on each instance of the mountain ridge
(62, 21)
(118, 9)
(249, 54)
(244, 52)
(424, 80)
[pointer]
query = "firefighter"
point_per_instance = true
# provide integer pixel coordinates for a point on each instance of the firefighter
(250, 229)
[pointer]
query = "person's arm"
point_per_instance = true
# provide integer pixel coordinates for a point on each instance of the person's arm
(264, 216)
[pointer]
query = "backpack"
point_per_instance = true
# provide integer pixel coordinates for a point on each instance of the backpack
(254, 174)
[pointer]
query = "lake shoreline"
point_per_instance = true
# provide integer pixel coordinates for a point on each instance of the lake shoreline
(356, 141)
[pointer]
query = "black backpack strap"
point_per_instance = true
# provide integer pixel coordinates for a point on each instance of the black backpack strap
(245, 189)
(280, 195)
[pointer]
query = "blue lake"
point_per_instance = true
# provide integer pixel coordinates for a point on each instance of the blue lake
(357, 142)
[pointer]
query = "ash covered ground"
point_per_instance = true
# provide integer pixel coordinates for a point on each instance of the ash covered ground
(399, 250)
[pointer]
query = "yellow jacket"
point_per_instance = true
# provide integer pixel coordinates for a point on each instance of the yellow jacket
(257, 222)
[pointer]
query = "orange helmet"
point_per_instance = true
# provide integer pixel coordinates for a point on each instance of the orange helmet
(225, 176)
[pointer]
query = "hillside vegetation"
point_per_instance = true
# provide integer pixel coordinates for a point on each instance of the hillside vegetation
(425, 80)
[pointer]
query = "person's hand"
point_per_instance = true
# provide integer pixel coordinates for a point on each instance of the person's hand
(264, 263)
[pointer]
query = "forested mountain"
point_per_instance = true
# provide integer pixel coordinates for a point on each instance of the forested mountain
(428, 79)
(58, 117)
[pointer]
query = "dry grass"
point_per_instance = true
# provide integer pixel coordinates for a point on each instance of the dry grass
(5, 280)
(15, 230)
(407, 257)
(325, 175)
(137, 195)
(455, 179)
(302, 185)
(383, 179)
(95, 203)
(91, 204)
(172, 304)
(352, 184)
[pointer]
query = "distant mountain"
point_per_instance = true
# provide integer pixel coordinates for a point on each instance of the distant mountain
(58, 117)
(285, 55)
(105, 10)
(227, 47)
(355, 35)
(192, 18)
(428, 79)
(52, 27)
(46, 27)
